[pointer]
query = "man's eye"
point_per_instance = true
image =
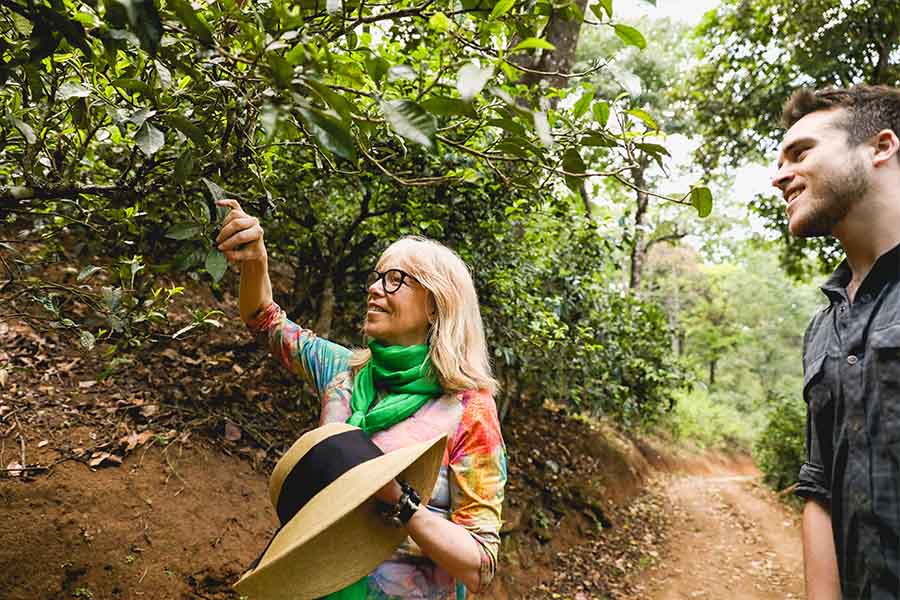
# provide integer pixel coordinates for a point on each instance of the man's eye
(802, 154)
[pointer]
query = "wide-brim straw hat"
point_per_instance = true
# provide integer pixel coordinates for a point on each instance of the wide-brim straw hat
(337, 536)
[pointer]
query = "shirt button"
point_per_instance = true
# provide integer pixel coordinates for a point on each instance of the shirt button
(852, 360)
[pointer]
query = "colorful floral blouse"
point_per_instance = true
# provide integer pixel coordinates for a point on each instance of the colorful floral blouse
(469, 490)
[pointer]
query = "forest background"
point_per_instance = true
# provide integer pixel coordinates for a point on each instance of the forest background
(584, 160)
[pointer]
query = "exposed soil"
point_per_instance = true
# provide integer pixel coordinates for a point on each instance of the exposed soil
(731, 538)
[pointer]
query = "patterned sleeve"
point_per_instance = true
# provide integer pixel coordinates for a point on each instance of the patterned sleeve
(300, 350)
(477, 467)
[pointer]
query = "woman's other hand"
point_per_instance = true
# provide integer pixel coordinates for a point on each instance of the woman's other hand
(241, 237)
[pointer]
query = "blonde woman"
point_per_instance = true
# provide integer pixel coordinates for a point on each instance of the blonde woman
(425, 372)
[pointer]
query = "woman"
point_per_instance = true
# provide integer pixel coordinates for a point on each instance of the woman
(426, 372)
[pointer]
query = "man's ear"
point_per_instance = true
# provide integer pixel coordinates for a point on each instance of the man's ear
(886, 146)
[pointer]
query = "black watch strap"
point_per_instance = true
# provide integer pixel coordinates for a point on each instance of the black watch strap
(409, 503)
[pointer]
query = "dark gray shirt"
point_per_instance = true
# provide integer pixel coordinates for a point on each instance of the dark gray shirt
(851, 384)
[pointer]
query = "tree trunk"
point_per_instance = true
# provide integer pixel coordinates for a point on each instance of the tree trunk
(712, 372)
(639, 247)
(562, 33)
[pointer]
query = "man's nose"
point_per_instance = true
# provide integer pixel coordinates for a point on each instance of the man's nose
(783, 177)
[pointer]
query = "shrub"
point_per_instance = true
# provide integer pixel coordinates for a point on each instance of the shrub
(780, 449)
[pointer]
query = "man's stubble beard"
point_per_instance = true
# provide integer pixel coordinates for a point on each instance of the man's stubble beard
(834, 196)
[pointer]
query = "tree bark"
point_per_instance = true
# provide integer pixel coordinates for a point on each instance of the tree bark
(562, 33)
(639, 246)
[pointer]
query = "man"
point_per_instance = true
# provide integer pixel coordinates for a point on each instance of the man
(839, 172)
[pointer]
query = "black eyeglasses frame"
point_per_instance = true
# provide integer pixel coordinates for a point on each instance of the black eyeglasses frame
(378, 275)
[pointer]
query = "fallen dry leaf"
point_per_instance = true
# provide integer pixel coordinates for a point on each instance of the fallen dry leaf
(133, 440)
(14, 469)
(87, 384)
(99, 458)
(237, 369)
(43, 443)
(149, 410)
(4, 375)
(232, 432)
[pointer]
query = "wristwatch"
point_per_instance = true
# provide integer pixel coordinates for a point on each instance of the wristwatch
(399, 514)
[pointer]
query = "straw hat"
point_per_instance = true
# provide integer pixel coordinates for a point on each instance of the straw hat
(331, 534)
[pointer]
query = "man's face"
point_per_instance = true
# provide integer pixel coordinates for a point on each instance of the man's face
(820, 176)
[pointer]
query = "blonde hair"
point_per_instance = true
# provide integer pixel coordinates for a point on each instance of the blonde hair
(457, 346)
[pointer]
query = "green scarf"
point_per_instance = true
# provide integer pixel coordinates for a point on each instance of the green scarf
(405, 373)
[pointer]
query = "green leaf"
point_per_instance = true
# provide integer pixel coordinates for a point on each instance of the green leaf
(149, 139)
(376, 67)
(341, 105)
(133, 85)
(216, 265)
(145, 21)
(296, 55)
(444, 106)
(184, 166)
(532, 43)
(87, 272)
(72, 90)
(191, 131)
(501, 8)
(601, 113)
(701, 199)
(183, 231)
(597, 139)
(411, 121)
(190, 19)
(608, 7)
(215, 190)
(25, 129)
(329, 133)
(471, 79)
(573, 163)
(645, 117)
(268, 120)
(282, 71)
(439, 22)
(630, 35)
(585, 101)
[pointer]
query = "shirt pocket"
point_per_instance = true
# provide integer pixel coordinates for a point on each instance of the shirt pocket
(885, 347)
(816, 390)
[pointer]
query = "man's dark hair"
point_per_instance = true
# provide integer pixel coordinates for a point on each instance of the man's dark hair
(870, 109)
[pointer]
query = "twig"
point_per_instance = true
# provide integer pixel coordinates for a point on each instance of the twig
(21, 439)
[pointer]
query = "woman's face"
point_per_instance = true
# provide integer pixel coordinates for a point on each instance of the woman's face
(401, 318)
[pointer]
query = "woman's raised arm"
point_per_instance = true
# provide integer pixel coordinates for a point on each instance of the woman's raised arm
(241, 240)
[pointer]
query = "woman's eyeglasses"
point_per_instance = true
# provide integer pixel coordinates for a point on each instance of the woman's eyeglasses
(391, 280)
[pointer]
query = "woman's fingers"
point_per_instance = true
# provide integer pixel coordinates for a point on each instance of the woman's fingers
(234, 226)
(244, 232)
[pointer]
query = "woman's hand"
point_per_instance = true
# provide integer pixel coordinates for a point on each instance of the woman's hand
(241, 237)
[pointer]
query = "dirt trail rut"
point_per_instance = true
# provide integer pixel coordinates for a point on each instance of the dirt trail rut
(732, 539)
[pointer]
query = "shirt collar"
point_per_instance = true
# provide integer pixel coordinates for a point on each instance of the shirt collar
(885, 270)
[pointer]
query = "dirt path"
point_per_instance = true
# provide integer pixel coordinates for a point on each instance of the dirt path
(731, 539)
